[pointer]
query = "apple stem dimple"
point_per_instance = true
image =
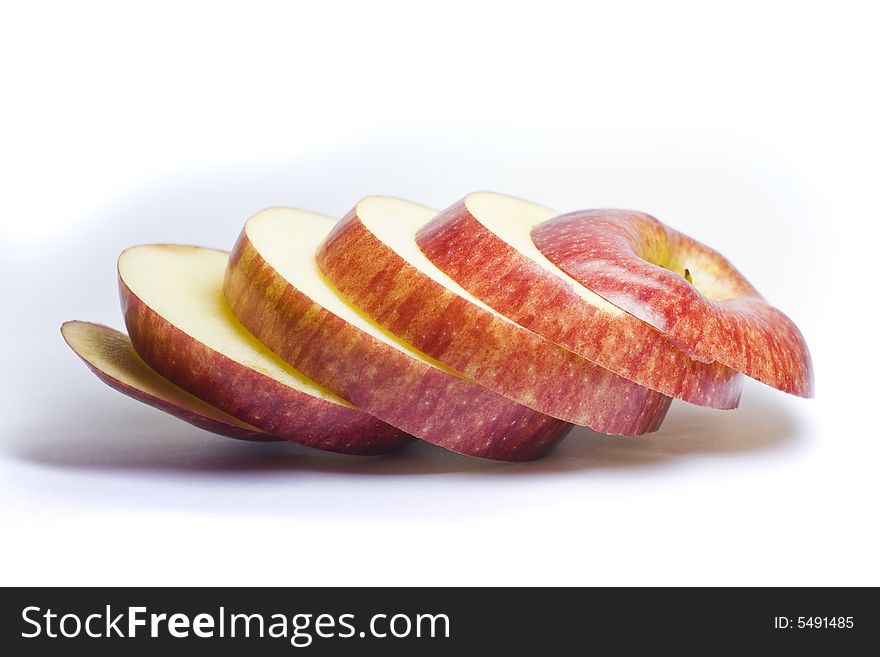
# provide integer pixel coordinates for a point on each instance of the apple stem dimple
(687, 276)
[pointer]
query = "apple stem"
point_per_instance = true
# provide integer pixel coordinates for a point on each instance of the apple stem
(687, 276)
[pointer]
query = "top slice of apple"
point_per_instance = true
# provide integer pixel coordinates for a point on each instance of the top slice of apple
(109, 355)
(372, 258)
(275, 288)
(689, 292)
(483, 242)
(180, 324)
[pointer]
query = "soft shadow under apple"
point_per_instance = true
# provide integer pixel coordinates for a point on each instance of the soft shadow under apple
(123, 437)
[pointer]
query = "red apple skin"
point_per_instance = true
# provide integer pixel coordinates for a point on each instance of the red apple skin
(427, 402)
(519, 288)
(475, 342)
(636, 262)
(190, 415)
(249, 395)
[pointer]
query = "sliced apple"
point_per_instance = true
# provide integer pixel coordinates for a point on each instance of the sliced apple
(372, 258)
(179, 323)
(483, 242)
(275, 288)
(109, 355)
(690, 293)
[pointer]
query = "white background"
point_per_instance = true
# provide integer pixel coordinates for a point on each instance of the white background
(752, 126)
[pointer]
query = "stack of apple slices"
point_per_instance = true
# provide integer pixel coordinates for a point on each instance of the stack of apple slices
(487, 329)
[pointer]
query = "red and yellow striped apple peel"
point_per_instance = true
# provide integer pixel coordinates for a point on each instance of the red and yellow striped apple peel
(108, 353)
(425, 401)
(689, 292)
(523, 290)
(243, 392)
(472, 339)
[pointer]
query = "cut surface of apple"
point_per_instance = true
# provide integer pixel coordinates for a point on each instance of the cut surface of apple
(690, 293)
(372, 258)
(275, 288)
(180, 324)
(109, 355)
(484, 243)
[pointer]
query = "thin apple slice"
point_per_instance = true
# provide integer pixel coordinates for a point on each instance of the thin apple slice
(372, 258)
(275, 288)
(690, 293)
(179, 323)
(483, 242)
(109, 355)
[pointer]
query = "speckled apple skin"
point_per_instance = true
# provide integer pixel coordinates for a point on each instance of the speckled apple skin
(191, 416)
(522, 290)
(425, 401)
(248, 395)
(494, 352)
(635, 262)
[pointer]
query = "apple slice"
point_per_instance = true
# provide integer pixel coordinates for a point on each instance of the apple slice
(109, 355)
(179, 323)
(483, 242)
(373, 260)
(690, 293)
(275, 288)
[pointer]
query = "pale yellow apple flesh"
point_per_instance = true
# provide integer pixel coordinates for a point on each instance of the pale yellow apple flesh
(512, 220)
(181, 326)
(109, 355)
(395, 223)
(287, 240)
